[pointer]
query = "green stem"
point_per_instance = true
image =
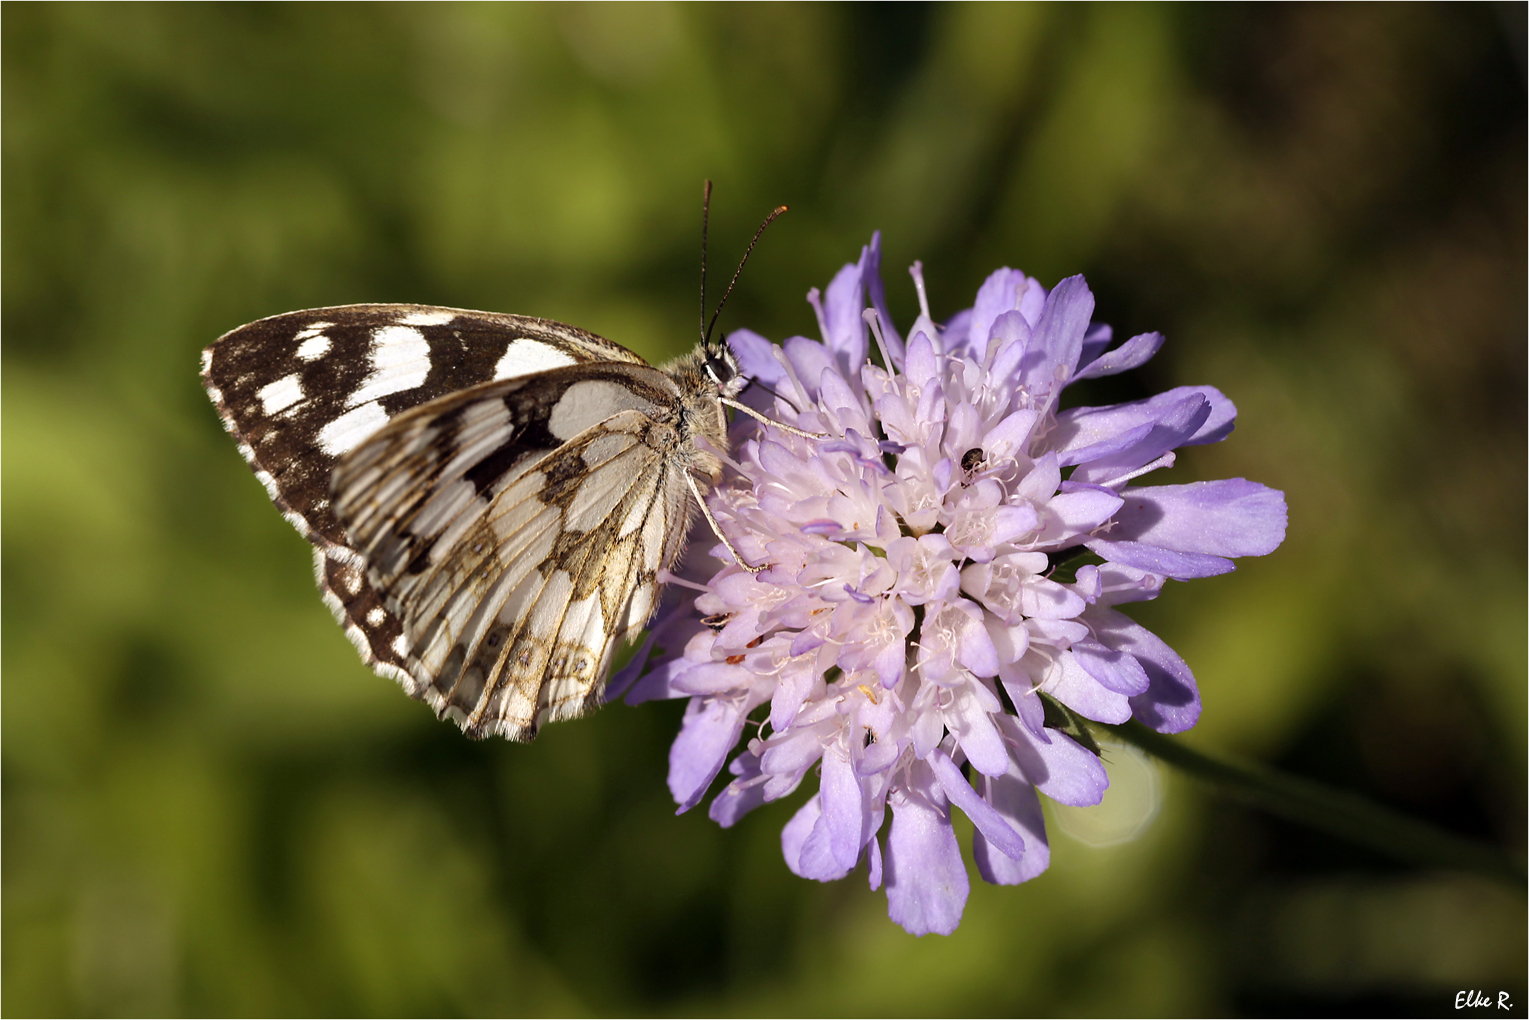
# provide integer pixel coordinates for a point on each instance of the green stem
(1332, 811)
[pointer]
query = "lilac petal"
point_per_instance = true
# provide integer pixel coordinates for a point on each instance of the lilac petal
(952, 338)
(988, 822)
(1231, 517)
(1048, 600)
(805, 847)
(1134, 353)
(1072, 685)
(1010, 522)
(875, 863)
(1182, 566)
(998, 294)
(923, 364)
(1082, 508)
(972, 724)
(926, 882)
(845, 817)
(1108, 446)
(842, 306)
(806, 640)
(1058, 339)
(1032, 714)
(870, 273)
(1095, 341)
(837, 396)
(796, 681)
(1010, 641)
(1172, 429)
(1009, 340)
(974, 648)
(1010, 437)
(658, 683)
(711, 729)
(1057, 765)
(810, 359)
(622, 680)
(1079, 427)
(1172, 703)
(742, 795)
(710, 678)
(793, 752)
(1114, 669)
(756, 357)
(1010, 351)
(1015, 801)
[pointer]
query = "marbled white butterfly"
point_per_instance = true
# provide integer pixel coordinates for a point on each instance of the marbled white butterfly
(493, 499)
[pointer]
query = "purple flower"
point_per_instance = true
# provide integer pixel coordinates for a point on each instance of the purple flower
(916, 628)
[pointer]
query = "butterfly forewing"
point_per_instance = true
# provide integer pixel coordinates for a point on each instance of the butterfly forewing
(492, 497)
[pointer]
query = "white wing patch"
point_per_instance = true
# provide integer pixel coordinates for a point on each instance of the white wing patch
(525, 356)
(428, 317)
(351, 429)
(400, 361)
(314, 346)
(586, 404)
(276, 397)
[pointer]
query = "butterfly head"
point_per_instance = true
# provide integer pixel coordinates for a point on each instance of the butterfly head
(721, 366)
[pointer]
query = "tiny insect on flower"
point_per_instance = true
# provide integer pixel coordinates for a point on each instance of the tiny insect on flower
(921, 620)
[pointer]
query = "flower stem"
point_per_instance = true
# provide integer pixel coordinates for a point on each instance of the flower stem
(1336, 812)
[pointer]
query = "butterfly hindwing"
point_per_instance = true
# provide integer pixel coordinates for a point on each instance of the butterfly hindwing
(515, 530)
(300, 390)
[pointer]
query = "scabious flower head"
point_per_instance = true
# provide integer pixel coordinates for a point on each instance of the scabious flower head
(915, 629)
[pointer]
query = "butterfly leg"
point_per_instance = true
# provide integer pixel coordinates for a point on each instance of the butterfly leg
(700, 498)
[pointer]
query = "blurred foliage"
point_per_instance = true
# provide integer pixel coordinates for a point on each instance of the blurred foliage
(211, 807)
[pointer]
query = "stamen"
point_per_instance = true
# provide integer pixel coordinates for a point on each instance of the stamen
(917, 272)
(873, 319)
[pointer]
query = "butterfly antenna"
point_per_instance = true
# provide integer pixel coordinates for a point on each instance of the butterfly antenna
(705, 215)
(706, 337)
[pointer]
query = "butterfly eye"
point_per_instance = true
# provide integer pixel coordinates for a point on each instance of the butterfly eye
(721, 368)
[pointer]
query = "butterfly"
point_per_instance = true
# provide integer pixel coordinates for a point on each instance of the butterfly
(493, 499)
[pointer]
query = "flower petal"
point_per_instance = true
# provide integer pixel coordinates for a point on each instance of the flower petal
(926, 882)
(804, 844)
(998, 294)
(1014, 801)
(711, 729)
(1114, 669)
(742, 795)
(1133, 353)
(842, 306)
(989, 822)
(870, 273)
(845, 815)
(1231, 517)
(1058, 339)
(1057, 765)
(1079, 427)
(756, 357)
(1074, 687)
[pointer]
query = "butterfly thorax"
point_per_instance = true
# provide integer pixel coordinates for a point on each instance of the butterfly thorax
(703, 415)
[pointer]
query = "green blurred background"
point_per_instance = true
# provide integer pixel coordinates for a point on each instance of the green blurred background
(211, 807)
